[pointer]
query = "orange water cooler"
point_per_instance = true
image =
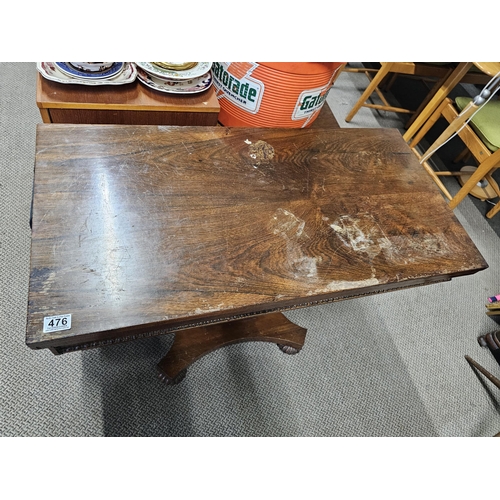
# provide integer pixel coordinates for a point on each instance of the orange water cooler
(280, 95)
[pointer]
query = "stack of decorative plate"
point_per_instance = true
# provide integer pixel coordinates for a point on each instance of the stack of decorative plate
(88, 73)
(175, 78)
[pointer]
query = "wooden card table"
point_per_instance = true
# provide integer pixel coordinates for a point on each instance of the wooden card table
(212, 232)
(130, 104)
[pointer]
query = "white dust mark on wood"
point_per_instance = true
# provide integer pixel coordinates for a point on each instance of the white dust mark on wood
(307, 266)
(362, 234)
(338, 285)
(287, 224)
(217, 308)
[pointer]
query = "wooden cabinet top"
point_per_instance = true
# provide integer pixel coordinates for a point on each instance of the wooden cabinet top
(132, 96)
(145, 227)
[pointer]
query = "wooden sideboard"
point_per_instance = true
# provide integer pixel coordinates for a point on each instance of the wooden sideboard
(130, 104)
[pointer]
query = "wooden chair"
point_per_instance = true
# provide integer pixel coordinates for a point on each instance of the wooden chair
(437, 73)
(462, 73)
(482, 139)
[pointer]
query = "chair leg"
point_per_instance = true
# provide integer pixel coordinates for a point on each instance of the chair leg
(455, 78)
(428, 97)
(454, 127)
(429, 124)
(484, 168)
(492, 182)
(390, 82)
(382, 72)
(493, 211)
(433, 175)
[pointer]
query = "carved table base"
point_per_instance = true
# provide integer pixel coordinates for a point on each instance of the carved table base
(190, 345)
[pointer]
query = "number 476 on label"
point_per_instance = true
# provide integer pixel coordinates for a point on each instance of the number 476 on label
(56, 323)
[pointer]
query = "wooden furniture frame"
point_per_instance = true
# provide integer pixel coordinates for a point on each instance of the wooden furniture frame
(213, 232)
(488, 161)
(377, 76)
(130, 104)
(489, 69)
(436, 74)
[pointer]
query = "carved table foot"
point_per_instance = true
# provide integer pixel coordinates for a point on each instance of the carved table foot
(190, 345)
(288, 349)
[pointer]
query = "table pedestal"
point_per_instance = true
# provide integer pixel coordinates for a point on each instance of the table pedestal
(190, 345)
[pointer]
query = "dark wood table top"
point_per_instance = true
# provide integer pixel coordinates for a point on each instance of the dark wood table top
(143, 228)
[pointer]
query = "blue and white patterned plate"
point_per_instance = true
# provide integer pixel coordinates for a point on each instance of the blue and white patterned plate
(50, 71)
(76, 73)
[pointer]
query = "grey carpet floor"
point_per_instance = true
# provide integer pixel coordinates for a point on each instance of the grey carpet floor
(387, 365)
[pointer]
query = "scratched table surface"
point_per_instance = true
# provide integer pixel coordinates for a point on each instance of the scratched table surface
(147, 228)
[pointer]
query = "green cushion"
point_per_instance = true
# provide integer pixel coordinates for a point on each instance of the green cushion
(486, 122)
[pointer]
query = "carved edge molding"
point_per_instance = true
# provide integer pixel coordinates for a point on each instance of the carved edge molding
(156, 333)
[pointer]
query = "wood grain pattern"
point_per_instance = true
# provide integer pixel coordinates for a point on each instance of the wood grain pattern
(141, 228)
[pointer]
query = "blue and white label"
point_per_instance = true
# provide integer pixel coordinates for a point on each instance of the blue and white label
(56, 323)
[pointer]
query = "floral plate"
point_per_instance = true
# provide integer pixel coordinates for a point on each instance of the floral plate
(195, 86)
(50, 71)
(199, 70)
(75, 72)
